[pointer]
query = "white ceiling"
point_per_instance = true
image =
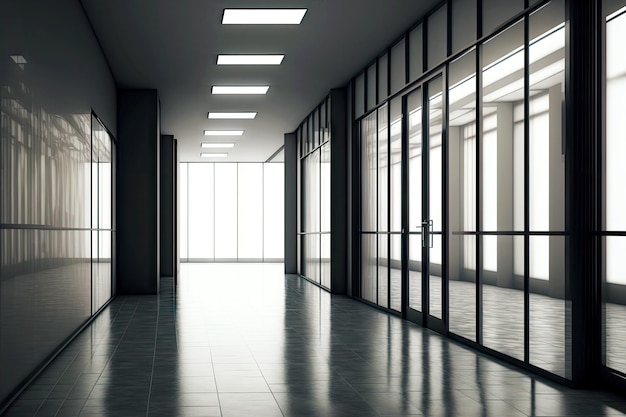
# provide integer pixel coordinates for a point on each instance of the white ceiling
(172, 45)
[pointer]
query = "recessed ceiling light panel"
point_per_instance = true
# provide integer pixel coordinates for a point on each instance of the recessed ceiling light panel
(240, 89)
(232, 115)
(214, 155)
(213, 145)
(263, 16)
(250, 59)
(223, 132)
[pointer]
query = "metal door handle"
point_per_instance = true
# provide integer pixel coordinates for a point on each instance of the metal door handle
(427, 230)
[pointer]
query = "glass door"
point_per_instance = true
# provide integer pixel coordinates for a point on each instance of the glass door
(425, 156)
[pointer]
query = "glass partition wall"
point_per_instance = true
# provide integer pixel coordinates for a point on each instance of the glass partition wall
(313, 138)
(471, 239)
(613, 221)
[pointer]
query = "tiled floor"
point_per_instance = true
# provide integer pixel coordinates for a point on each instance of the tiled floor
(244, 340)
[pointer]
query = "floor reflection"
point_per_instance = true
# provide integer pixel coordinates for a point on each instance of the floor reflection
(246, 340)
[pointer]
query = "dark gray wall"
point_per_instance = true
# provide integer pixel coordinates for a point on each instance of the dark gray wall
(138, 246)
(45, 153)
(291, 203)
(168, 166)
(339, 254)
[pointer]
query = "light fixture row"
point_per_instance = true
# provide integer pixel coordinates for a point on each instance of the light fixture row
(246, 17)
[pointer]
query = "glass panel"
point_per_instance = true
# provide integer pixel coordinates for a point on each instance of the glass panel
(414, 109)
(503, 299)
(383, 169)
(312, 187)
(383, 270)
(359, 95)
(462, 285)
(614, 302)
(305, 136)
(416, 53)
(371, 86)
(324, 115)
(325, 188)
(395, 271)
(615, 143)
(550, 312)
(547, 86)
(325, 260)
(614, 247)
(395, 148)
(609, 7)
(315, 128)
(462, 195)
(415, 271)
(398, 66)
(435, 198)
(368, 173)
(311, 128)
(383, 77)
(497, 12)
(201, 211)
(273, 211)
(46, 296)
(250, 216)
(226, 211)
(315, 249)
(368, 267)
(184, 209)
(462, 143)
(503, 137)
(463, 24)
(437, 48)
(435, 280)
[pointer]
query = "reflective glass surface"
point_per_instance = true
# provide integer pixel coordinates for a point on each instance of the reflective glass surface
(462, 145)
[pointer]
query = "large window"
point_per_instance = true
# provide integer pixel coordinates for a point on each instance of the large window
(232, 212)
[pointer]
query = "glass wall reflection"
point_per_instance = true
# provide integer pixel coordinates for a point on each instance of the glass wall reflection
(56, 233)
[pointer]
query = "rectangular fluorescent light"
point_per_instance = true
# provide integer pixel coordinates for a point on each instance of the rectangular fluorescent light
(240, 89)
(250, 59)
(214, 155)
(232, 115)
(223, 132)
(263, 16)
(213, 145)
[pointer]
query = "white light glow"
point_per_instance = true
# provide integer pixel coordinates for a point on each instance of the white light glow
(263, 16)
(240, 89)
(226, 115)
(217, 145)
(250, 59)
(223, 132)
(214, 155)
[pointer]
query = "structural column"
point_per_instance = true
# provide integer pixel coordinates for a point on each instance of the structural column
(581, 190)
(339, 225)
(138, 190)
(168, 203)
